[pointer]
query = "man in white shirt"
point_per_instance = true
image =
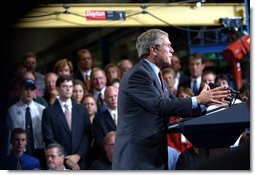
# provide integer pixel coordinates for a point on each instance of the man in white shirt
(16, 118)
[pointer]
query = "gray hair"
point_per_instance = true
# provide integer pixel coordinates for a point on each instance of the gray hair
(150, 38)
(61, 150)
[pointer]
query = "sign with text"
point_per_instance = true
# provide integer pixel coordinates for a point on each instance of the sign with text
(105, 15)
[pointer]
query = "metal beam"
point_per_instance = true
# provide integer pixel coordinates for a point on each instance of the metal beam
(156, 14)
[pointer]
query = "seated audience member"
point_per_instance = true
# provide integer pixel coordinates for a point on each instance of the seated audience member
(55, 156)
(189, 158)
(18, 159)
(105, 162)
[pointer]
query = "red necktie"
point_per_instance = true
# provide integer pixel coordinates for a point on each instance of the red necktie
(87, 82)
(161, 79)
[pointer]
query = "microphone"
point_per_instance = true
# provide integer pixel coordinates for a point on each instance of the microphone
(212, 86)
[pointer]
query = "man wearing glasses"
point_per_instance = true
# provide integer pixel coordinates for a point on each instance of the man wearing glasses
(67, 123)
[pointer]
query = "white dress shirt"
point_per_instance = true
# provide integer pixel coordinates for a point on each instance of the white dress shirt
(16, 118)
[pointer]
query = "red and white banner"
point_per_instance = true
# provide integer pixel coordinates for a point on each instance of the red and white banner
(95, 15)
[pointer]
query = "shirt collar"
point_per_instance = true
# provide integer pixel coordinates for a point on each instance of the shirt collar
(153, 66)
(68, 102)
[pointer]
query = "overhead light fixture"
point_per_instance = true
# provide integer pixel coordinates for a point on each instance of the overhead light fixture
(199, 3)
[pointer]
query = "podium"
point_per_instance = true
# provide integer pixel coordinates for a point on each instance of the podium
(217, 129)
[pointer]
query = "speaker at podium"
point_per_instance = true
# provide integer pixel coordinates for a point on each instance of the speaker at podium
(217, 129)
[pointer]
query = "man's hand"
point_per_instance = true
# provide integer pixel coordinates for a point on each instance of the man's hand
(72, 161)
(213, 96)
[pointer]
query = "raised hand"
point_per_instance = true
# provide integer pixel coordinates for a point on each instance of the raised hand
(213, 96)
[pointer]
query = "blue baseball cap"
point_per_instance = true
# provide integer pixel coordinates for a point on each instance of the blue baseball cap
(28, 83)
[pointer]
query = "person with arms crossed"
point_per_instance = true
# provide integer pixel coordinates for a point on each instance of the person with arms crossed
(145, 103)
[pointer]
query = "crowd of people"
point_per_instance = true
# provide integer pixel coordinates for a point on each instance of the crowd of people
(68, 119)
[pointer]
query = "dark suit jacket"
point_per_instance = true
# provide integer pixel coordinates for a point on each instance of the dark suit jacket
(55, 130)
(102, 124)
(186, 83)
(183, 78)
(78, 75)
(143, 111)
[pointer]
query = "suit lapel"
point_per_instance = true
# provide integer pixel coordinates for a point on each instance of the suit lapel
(153, 75)
(109, 119)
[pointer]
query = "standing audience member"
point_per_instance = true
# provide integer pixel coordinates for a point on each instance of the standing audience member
(37, 98)
(27, 114)
(14, 86)
(90, 103)
(176, 66)
(112, 72)
(105, 162)
(98, 79)
(195, 66)
(144, 103)
(79, 91)
(63, 67)
(51, 93)
(115, 83)
(106, 121)
(84, 63)
(124, 65)
(30, 62)
(222, 80)
(68, 124)
(18, 159)
(208, 76)
(55, 156)
(169, 77)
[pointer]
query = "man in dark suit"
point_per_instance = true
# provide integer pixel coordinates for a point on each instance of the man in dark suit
(67, 123)
(105, 121)
(84, 64)
(145, 102)
(195, 66)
